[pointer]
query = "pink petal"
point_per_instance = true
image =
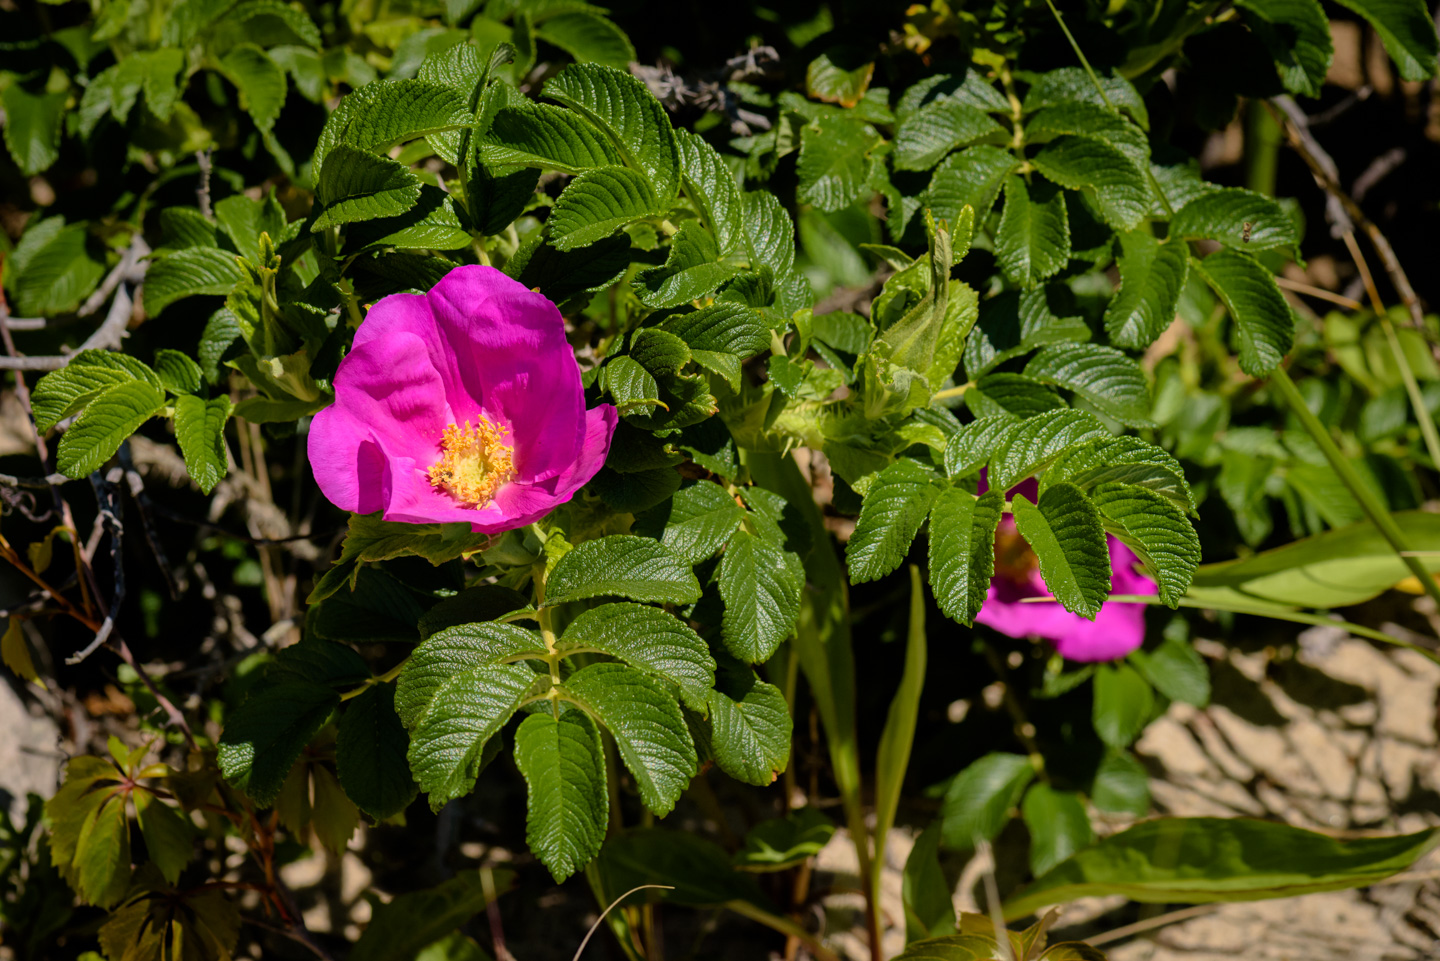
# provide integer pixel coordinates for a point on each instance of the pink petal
(526, 503)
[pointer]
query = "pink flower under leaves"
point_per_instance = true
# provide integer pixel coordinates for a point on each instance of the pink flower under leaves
(1117, 630)
(463, 404)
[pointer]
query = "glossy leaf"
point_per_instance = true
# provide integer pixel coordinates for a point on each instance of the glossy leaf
(1065, 533)
(1221, 214)
(650, 640)
(893, 510)
(1156, 529)
(1123, 704)
(1105, 378)
(1152, 274)
(962, 550)
(622, 566)
(750, 726)
(103, 426)
(200, 430)
(979, 800)
(263, 737)
(370, 746)
(600, 202)
(761, 585)
(1033, 241)
(1265, 325)
(563, 763)
(1058, 823)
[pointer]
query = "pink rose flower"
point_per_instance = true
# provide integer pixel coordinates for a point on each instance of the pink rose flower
(1117, 630)
(463, 404)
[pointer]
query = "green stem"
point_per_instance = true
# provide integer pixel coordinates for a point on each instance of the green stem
(784, 926)
(1262, 148)
(1412, 387)
(385, 678)
(950, 392)
(1374, 509)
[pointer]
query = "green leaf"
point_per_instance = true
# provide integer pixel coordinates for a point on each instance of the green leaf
(166, 833)
(497, 195)
(1222, 213)
(924, 138)
(400, 929)
(1105, 378)
(444, 655)
(372, 539)
(1121, 785)
(897, 737)
(182, 227)
(588, 37)
(697, 869)
(761, 585)
(622, 565)
(647, 726)
(1058, 826)
(185, 273)
(32, 126)
(1065, 532)
(1117, 183)
(1335, 569)
(649, 639)
(1075, 84)
(925, 890)
(111, 417)
(200, 429)
(710, 185)
(53, 268)
(260, 81)
(1176, 670)
(264, 736)
(962, 550)
(540, 135)
(781, 843)
(430, 224)
(1264, 323)
(1017, 322)
(1406, 30)
(692, 270)
(833, 158)
(563, 763)
(483, 602)
(750, 726)
(621, 106)
(1011, 396)
(1123, 460)
(600, 202)
(561, 275)
(1089, 120)
(322, 662)
(1033, 240)
(1152, 274)
(724, 328)
(973, 444)
(978, 801)
(1297, 35)
(1205, 860)
(971, 178)
(1037, 441)
(386, 112)
(177, 372)
(1123, 704)
(102, 855)
(1156, 530)
(466, 710)
(770, 237)
(90, 373)
(356, 185)
(370, 746)
(891, 515)
(839, 75)
(695, 523)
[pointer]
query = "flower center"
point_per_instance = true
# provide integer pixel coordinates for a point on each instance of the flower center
(474, 463)
(1014, 560)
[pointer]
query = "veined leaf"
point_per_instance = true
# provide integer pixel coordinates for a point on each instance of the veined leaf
(561, 275)
(1074, 84)
(195, 270)
(1124, 460)
(625, 566)
(1264, 323)
(1038, 440)
(200, 429)
(761, 585)
(1156, 529)
(924, 138)
(973, 177)
(1065, 532)
(839, 82)
(624, 108)
(431, 224)
(962, 550)
(722, 327)
(540, 135)
(973, 445)
(1406, 30)
(166, 833)
(1011, 396)
(1117, 182)
(1152, 274)
(650, 640)
(711, 187)
(1107, 379)
(53, 267)
(1222, 214)
(770, 238)
(111, 417)
(1089, 120)
(750, 726)
(600, 202)
(32, 126)
(1205, 860)
(833, 154)
(370, 747)
(891, 515)
(448, 654)
(695, 523)
(1297, 35)
(692, 270)
(1176, 670)
(264, 736)
(1033, 241)
(358, 185)
(404, 927)
(388, 112)
(260, 81)
(1017, 322)
(781, 843)
(66, 391)
(563, 763)
(588, 37)
(978, 801)
(647, 726)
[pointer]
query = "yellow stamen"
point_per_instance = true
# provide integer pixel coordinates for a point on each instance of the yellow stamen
(475, 462)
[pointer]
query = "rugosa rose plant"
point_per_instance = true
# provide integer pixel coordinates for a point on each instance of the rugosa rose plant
(643, 432)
